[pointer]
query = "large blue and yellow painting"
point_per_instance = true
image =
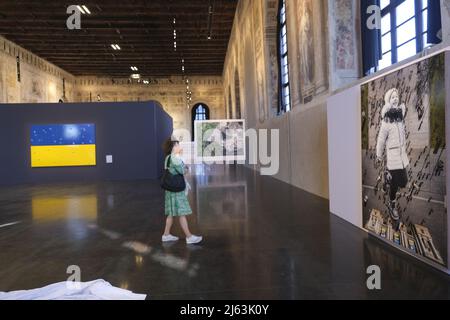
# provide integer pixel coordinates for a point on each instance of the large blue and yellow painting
(63, 145)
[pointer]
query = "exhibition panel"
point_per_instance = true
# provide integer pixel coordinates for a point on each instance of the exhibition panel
(343, 155)
(404, 156)
(400, 182)
(78, 142)
(220, 140)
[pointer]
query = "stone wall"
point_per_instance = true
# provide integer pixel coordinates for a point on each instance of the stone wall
(40, 81)
(169, 92)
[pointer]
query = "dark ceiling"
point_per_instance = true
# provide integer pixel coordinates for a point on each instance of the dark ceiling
(143, 30)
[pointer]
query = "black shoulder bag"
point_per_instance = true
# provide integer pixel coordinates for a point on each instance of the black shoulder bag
(172, 182)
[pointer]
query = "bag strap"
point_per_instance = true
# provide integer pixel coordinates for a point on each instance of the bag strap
(169, 162)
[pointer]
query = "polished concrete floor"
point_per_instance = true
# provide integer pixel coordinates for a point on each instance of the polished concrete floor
(263, 240)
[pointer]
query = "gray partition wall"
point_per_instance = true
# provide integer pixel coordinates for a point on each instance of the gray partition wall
(132, 133)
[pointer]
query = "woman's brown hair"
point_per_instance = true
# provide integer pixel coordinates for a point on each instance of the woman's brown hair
(168, 146)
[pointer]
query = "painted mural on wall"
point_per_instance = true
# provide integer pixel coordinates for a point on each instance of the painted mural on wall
(345, 38)
(274, 77)
(36, 87)
(230, 104)
(311, 49)
(306, 42)
(403, 159)
(271, 37)
(237, 95)
(260, 60)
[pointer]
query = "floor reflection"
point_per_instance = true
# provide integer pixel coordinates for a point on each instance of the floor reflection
(51, 208)
(108, 233)
(74, 210)
(395, 270)
(164, 257)
(9, 224)
(222, 203)
(264, 239)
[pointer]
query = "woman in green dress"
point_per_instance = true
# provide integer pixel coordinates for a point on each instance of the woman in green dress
(176, 203)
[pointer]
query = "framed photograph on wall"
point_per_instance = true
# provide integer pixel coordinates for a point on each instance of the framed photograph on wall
(220, 141)
(404, 159)
(63, 145)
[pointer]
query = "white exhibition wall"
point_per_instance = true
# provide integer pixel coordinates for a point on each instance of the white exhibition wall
(344, 155)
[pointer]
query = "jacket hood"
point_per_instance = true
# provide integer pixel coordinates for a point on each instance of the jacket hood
(387, 103)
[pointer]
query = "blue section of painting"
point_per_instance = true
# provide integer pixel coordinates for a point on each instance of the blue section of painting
(62, 134)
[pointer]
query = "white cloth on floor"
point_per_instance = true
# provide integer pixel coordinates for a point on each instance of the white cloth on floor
(94, 290)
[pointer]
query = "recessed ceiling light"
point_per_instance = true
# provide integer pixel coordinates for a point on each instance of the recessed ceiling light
(86, 9)
(115, 46)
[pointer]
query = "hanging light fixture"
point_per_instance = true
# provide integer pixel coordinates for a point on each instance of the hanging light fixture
(187, 82)
(210, 18)
(183, 67)
(174, 34)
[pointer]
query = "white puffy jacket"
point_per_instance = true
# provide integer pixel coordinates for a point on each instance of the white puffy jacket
(392, 137)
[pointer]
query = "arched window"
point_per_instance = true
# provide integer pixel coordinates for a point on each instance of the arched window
(237, 93)
(283, 61)
(200, 112)
(230, 105)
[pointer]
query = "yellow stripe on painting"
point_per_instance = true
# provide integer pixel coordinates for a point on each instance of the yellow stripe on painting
(63, 156)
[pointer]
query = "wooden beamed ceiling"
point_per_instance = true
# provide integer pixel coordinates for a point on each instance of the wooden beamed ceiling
(143, 29)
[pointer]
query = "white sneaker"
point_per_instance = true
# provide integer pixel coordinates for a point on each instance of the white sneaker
(194, 240)
(169, 238)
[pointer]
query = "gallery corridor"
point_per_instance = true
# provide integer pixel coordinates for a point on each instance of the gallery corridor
(264, 239)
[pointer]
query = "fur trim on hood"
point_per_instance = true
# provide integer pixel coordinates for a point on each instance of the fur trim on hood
(388, 106)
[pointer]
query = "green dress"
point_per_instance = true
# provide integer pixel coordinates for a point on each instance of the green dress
(176, 203)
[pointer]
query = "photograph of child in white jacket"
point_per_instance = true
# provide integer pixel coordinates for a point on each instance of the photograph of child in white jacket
(403, 152)
(392, 143)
